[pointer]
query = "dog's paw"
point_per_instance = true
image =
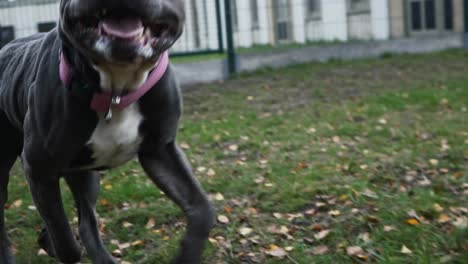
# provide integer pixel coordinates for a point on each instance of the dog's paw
(44, 242)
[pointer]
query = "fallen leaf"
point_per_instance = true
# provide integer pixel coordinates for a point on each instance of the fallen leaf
(443, 218)
(151, 223)
(127, 224)
(201, 169)
(289, 249)
(320, 250)
(276, 251)
(388, 228)
(354, 251)
(234, 148)
(117, 253)
(461, 222)
(17, 203)
(412, 221)
(278, 215)
(364, 237)
(42, 252)
(372, 219)
(228, 209)
(336, 139)
(334, 213)
(405, 250)
(322, 234)
(219, 197)
(434, 162)
(223, 219)
(124, 246)
(382, 121)
(211, 173)
(138, 243)
(310, 212)
(438, 208)
(184, 145)
(245, 231)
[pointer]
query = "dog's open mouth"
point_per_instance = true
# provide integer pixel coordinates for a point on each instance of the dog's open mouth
(119, 25)
(127, 35)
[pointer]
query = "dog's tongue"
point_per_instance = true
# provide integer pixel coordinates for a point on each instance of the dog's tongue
(126, 28)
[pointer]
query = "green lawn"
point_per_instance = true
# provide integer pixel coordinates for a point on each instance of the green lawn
(341, 162)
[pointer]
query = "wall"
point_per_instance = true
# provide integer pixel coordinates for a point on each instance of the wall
(334, 20)
(397, 18)
(459, 16)
(360, 26)
(30, 16)
(214, 70)
(380, 19)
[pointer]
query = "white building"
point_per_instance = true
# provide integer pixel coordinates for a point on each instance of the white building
(262, 22)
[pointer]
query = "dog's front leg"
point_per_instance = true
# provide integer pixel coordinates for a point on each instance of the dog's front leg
(168, 168)
(85, 188)
(45, 189)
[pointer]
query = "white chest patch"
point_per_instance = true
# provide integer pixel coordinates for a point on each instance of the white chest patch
(117, 141)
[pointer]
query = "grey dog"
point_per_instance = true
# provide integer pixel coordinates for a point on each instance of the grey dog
(48, 85)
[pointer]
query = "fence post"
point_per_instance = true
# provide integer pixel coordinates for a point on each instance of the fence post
(231, 52)
(219, 27)
(465, 31)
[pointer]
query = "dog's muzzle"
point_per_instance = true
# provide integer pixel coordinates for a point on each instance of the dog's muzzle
(125, 31)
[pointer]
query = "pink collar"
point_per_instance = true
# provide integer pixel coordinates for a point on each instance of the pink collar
(102, 102)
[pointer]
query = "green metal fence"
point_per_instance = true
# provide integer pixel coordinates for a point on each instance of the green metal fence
(238, 26)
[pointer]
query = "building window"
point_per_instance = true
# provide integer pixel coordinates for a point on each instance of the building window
(7, 34)
(425, 16)
(358, 6)
(282, 20)
(46, 26)
(254, 13)
(314, 9)
(448, 14)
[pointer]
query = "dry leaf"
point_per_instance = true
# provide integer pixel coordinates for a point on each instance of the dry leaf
(278, 215)
(405, 250)
(389, 228)
(127, 224)
(17, 203)
(211, 173)
(151, 223)
(412, 221)
(184, 145)
(276, 251)
(219, 197)
(322, 234)
(117, 253)
(443, 218)
(234, 148)
(334, 213)
(354, 251)
(434, 162)
(245, 231)
(138, 243)
(42, 252)
(223, 219)
(320, 250)
(364, 237)
(124, 246)
(438, 208)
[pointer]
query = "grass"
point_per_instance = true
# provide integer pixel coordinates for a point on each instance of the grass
(375, 151)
